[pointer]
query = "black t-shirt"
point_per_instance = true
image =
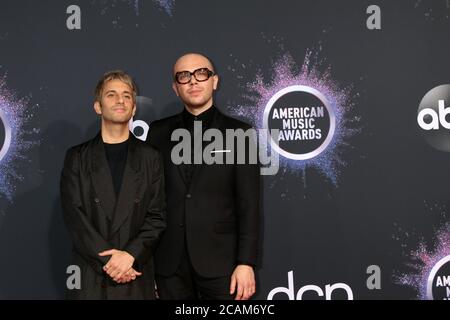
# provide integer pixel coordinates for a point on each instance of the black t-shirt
(116, 154)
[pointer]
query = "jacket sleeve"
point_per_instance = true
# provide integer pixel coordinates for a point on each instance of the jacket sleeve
(144, 244)
(86, 239)
(247, 186)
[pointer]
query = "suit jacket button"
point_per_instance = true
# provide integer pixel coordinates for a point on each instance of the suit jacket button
(96, 200)
(181, 225)
(188, 196)
(137, 200)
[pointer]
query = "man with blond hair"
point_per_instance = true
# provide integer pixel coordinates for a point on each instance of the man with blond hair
(112, 194)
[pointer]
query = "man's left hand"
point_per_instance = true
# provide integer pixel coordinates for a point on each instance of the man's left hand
(119, 263)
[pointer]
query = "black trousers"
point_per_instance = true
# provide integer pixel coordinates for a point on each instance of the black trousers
(186, 284)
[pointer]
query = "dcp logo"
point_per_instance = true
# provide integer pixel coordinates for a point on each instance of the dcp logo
(433, 117)
(305, 120)
(5, 135)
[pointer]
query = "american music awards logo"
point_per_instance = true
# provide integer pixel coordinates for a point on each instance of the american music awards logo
(5, 135)
(15, 114)
(438, 284)
(431, 275)
(313, 113)
(305, 119)
(428, 264)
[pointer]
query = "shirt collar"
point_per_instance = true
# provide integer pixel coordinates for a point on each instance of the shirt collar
(206, 116)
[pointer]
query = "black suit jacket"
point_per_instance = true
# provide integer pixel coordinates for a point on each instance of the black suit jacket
(217, 214)
(97, 221)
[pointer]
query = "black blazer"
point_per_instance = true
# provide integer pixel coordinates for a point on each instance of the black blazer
(217, 215)
(97, 221)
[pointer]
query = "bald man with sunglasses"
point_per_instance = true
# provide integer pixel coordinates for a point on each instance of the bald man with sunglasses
(210, 247)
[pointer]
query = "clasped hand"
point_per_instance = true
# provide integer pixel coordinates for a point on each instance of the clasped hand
(120, 266)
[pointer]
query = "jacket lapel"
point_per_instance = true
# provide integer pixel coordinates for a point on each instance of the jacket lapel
(178, 123)
(130, 183)
(101, 178)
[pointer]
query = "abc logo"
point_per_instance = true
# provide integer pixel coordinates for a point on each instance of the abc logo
(433, 117)
(144, 110)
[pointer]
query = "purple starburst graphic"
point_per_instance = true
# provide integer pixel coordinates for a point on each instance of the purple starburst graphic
(258, 93)
(434, 10)
(166, 5)
(425, 260)
(15, 114)
(110, 4)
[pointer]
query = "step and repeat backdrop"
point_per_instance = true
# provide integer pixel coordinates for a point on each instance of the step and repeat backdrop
(355, 205)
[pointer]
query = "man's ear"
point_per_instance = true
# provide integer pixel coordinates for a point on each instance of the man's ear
(174, 87)
(215, 81)
(134, 110)
(97, 107)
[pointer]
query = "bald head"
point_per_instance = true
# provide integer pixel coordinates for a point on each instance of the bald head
(191, 62)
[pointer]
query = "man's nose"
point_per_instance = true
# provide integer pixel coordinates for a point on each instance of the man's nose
(193, 81)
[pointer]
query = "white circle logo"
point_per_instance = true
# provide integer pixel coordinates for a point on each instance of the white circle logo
(305, 120)
(433, 117)
(5, 135)
(438, 285)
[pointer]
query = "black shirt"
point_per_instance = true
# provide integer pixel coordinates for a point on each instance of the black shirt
(116, 154)
(205, 117)
(188, 122)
